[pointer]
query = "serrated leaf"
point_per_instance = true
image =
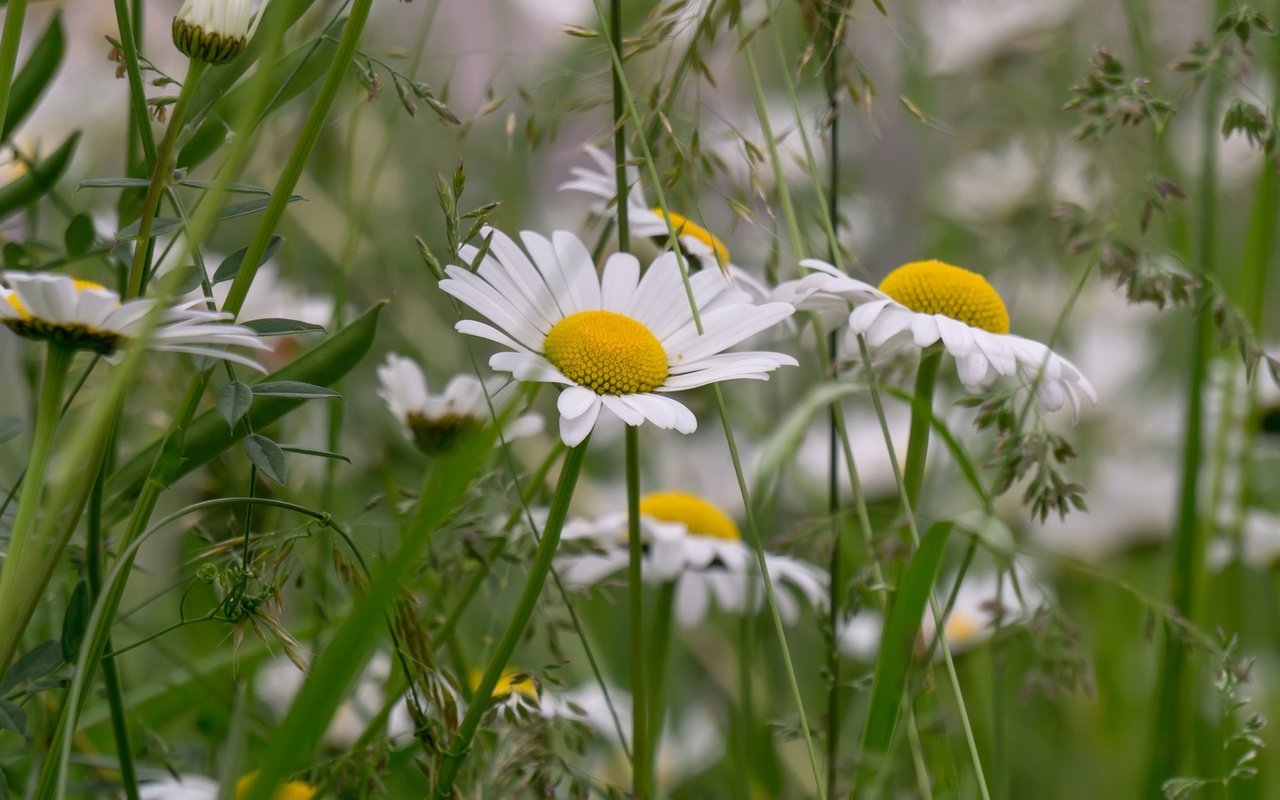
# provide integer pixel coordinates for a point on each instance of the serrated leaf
(233, 401)
(296, 390)
(13, 718)
(231, 264)
(278, 326)
(266, 455)
(74, 622)
(39, 660)
(11, 427)
(79, 235)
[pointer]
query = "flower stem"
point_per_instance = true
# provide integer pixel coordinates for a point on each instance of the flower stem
(159, 177)
(921, 414)
(519, 620)
(657, 654)
(640, 755)
(18, 597)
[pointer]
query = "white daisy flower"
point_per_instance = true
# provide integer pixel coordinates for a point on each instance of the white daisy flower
(982, 602)
(517, 692)
(88, 316)
(213, 30)
(924, 303)
(618, 341)
(696, 242)
(434, 422)
(198, 787)
(698, 546)
(1259, 548)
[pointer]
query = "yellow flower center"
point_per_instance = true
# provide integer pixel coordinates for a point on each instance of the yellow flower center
(697, 515)
(607, 352)
(961, 628)
(932, 287)
(683, 226)
(80, 287)
(293, 790)
(512, 681)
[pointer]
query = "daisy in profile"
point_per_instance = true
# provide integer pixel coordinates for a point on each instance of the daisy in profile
(617, 341)
(434, 422)
(697, 546)
(925, 303)
(198, 787)
(84, 315)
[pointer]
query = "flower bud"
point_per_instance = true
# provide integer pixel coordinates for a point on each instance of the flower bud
(213, 31)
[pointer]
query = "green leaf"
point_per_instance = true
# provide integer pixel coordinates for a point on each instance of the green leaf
(277, 326)
(296, 389)
(231, 264)
(42, 177)
(162, 225)
(159, 227)
(266, 455)
(12, 718)
(306, 451)
(73, 623)
(897, 644)
(186, 280)
(35, 75)
(35, 663)
(143, 183)
(79, 235)
(233, 401)
(11, 427)
(207, 436)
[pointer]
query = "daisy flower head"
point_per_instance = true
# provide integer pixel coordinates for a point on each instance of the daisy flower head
(699, 547)
(926, 303)
(617, 341)
(435, 422)
(87, 316)
(697, 243)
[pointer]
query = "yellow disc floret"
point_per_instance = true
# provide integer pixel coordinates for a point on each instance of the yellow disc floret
(683, 226)
(607, 352)
(513, 681)
(700, 517)
(932, 287)
(293, 790)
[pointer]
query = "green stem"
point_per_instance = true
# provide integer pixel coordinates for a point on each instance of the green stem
(753, 536)
(95, 546)
(160, 175)
(18, 597)
(556, 516)
(14, 15)
(641, 757)
(921, 415)
(129, 26)
(306, 142)
(657, 654)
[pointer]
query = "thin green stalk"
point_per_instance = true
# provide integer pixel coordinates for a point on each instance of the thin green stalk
(559, 511)
(1174, 708)
(299, 156)
(753, 537)
(17, 597)
(921, 414)
(657, 654)
(160, 175)
(95, 545)
(14, 15)
(641, 759)
(130, 24)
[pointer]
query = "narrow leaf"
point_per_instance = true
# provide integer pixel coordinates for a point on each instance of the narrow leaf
(294, 389)
(278, 326)
(233, 401)
(266, 455)
(73, 623)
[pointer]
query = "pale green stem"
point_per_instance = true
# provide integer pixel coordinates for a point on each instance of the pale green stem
(641, 757)
(160, 175)
(754, 540)
(559, 511)
(657, 654)
(18, 596)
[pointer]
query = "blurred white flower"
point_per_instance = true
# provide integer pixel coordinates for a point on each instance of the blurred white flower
(435, 422)
(1259, 545)
(964, 34)
(983, 602)
(619, 342)
(995, 184)
(88, 316)
(183, 787)
(698, 546)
